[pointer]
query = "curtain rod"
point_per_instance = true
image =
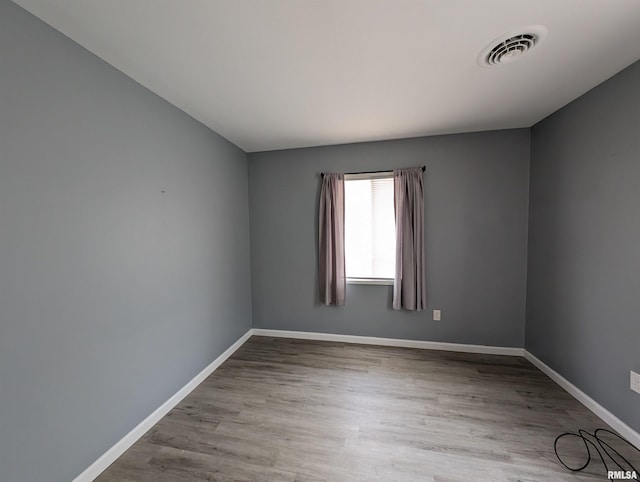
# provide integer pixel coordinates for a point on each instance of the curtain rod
(370, 172)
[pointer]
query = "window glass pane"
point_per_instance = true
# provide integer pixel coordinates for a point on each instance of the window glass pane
(369, 228)
(383, 229)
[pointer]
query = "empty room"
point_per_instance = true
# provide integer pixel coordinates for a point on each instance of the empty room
(336, 240)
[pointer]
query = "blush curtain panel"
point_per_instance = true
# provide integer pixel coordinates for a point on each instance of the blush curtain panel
(409, 286)
(331, 270)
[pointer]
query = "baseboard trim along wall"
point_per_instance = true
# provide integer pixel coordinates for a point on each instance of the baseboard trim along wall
(622, 428)
(372, 340)
(132, 437)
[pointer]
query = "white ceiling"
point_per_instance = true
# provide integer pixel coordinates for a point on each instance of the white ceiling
(276, 74)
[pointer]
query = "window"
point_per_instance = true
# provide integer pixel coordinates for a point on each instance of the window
(370, 239)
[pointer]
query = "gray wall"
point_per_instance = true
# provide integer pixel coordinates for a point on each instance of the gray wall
(476, 234)
(583, 302)
(113, 294)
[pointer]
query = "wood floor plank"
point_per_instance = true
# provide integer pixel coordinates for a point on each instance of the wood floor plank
(285, 410)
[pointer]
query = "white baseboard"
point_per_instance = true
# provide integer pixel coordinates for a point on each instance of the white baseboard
(606, 416)
(372, 340)
(132, 437)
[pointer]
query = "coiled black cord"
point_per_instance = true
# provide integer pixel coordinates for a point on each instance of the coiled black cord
(593, 440)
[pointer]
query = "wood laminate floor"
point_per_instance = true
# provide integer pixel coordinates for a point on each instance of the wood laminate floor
(287, 410)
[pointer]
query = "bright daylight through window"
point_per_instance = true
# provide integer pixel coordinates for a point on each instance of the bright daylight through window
(369, 227)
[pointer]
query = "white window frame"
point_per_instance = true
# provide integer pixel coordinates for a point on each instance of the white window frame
(370, 281)
(362, 176)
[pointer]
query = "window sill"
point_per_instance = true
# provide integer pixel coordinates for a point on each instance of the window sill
(370, 281)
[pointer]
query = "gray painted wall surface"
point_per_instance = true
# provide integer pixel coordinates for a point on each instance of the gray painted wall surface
(113, 294)
(476, 234)
(583, 301)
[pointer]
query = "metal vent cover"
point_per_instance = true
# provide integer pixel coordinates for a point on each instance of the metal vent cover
(512, 46)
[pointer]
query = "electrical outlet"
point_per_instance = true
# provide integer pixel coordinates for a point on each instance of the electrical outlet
(635, 381)
(436, 315)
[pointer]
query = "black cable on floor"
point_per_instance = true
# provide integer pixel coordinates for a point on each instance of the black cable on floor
(594, 440)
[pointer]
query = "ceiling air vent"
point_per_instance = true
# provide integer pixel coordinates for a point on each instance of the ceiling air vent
(512, 47)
